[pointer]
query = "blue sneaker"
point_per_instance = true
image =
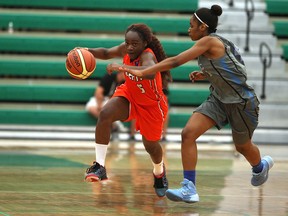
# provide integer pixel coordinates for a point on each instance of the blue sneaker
(187, 193)
(260, 178)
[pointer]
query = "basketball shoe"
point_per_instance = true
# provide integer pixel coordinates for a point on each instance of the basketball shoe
(160, 184)
(95, 173)
(187, 193)
(260, 178)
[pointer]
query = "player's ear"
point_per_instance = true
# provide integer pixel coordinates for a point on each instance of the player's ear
(203, 27)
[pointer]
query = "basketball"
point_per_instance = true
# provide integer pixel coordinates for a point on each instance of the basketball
(80, 63)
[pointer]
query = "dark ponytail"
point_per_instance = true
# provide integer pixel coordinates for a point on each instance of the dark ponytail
(210, 16)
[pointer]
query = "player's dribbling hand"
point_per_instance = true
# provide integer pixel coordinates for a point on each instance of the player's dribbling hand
(112, 67)
(196, 75)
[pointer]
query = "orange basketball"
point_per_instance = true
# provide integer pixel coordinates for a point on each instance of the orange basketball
(80, 63)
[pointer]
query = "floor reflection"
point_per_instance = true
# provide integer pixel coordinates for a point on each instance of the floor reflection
(50, 182)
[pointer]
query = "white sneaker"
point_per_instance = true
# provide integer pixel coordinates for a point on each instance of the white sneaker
(260, 178)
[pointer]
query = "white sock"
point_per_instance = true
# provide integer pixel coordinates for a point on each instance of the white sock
(158, 168)
(101, 150)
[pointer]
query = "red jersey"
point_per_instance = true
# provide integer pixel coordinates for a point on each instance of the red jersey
(143, 91)
(148, 104)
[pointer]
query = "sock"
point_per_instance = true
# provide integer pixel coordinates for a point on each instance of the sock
(258, 168)
(100, 150)
(190, 175)
(158, 168)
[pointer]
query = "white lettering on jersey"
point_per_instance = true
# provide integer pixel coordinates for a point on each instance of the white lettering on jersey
(132, 77)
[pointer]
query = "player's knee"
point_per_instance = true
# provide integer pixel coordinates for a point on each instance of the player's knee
(105, 117)
(188, 134)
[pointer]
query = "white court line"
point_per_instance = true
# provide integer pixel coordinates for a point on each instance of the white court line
(90, 145)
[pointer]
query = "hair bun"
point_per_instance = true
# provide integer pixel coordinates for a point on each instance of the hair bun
(216, 9)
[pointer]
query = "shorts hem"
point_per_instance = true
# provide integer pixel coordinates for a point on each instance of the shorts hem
(219, 127)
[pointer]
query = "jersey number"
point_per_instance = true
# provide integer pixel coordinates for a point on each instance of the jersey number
(140, 86)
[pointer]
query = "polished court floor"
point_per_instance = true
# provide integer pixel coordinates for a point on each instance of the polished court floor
(48, 180)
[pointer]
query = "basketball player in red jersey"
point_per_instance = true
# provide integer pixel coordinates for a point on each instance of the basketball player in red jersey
(140, 99)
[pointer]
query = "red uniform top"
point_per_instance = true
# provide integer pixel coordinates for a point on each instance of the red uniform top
(148, 104)
(143, 91)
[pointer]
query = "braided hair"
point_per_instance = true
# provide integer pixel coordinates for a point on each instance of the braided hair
(154, 44)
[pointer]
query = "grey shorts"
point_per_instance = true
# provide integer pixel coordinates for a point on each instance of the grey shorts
(242, 117)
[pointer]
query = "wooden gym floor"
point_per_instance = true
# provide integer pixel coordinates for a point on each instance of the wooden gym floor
(48, 180)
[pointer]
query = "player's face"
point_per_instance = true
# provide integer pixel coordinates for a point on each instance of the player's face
(134, 44)
(194, 30)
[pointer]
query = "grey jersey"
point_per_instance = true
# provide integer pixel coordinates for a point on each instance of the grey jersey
(227, 74)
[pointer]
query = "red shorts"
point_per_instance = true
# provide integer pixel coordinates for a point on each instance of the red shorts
(149, 118)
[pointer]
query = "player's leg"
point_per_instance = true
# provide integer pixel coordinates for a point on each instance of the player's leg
(150, 121)
(243, 119)
(249, 150)
(155, 151)
(117, 108)
(196, 126)
(260, 167)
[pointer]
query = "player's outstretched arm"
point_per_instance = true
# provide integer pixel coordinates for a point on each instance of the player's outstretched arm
(167, 63)
(135, 72)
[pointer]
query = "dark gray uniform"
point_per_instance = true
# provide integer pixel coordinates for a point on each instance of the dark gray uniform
(231, 100)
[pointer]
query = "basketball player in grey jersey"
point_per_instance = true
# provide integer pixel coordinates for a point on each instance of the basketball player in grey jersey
(231, 100)
(227, 75)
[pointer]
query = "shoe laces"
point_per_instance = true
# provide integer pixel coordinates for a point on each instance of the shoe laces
(185, 189)
(94, 167)
(185, 184)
